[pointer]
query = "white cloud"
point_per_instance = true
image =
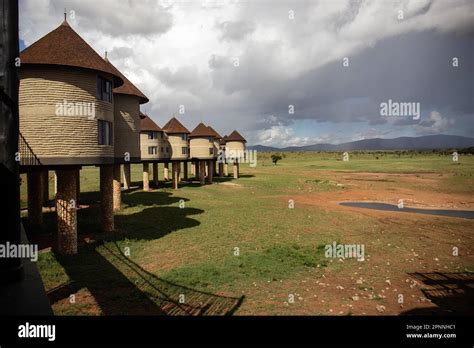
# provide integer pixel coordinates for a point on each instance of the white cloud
(436, 123)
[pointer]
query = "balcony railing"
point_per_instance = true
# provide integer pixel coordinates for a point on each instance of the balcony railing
(27, 156)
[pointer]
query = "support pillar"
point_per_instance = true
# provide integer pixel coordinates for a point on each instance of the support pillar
(221, 169)
(45, 177)
(127, 176)
(236, 169)
(35, 198)
(66, 211)
(197, 170)
(185, 170)
(193, 169)
(55, 184)
(175, 174)
(107, 197)
(202, 172)
(117, 194)
(166, 171)
(226, 169)
(146, 177)
(210, 172)
(179, 172)
(155, 175)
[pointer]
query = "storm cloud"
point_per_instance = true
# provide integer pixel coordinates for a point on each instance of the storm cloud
(245, 64)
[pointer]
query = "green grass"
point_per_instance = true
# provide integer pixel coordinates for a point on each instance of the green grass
(190, 250)
(271, 264)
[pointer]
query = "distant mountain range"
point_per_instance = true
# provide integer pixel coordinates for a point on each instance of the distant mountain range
(427, 142)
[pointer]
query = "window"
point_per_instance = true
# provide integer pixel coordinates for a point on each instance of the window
(184, 136)
(167, 149)
(104, 89)
(184, 150)
(152, 150)
(104, 132)
(211, 151)
(210, 139)
(152, 135)
(162, 150)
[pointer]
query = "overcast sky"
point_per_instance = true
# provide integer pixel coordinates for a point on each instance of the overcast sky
(241, 64)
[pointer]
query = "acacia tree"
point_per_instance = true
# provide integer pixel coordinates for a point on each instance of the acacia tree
(276, 158)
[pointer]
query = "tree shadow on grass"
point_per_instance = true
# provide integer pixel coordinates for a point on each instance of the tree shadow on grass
(452, 293)
(88, 213)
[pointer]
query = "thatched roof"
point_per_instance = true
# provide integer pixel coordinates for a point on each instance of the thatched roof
(214, 133)
(147, 124)
(63, 46)
(201, 130)
(174, 127)
(235, 136)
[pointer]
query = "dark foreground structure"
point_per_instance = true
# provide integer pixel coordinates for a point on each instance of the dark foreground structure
(21, 288)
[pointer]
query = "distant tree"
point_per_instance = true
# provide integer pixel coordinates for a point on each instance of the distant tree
(276, 158)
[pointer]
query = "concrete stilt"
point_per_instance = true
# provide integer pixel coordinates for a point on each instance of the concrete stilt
(221, 169)
(78, 186)
(45, 177)
(155, 175)
(206, 166)
(127, 176)
(236, 169)
(175, 174)
(226, 169)
(66, 211)
(193, 169)
(35, 198)
(196, 169)
(146, 177)
(166, 170)
(202, 172)
(185, 170)
(179, 172)
(117, 195)
(107, 197)
(55, 184)
(210, 172)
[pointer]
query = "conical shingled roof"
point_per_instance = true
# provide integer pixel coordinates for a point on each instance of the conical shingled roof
(174, 127)
(63, 46)
(214, 133)
(235, 136)
(201, 131)
(127, 87)
(147, 124)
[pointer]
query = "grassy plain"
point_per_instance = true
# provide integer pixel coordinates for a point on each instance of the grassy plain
(236, 247)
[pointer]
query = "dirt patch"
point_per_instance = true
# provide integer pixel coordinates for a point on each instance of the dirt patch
(231, 184)
(418, 190)
(410, 268)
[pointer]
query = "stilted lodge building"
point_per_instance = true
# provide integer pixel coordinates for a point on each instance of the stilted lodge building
(76, 109)
(153, 140)
(66, 100)
(178, 139)
(201, 144)
(127, 120)
(234, 149)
